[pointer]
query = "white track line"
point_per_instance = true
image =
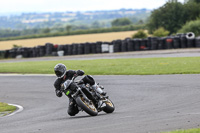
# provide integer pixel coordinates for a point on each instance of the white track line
(20, 108)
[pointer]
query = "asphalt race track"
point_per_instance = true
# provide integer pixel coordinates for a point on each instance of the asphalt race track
(144, 104)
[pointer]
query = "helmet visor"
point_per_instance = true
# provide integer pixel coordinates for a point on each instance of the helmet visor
(59, 74)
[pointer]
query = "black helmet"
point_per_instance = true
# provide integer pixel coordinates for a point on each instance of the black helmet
(60, 70)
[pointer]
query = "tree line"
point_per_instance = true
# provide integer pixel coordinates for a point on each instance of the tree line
(173, 16)
(170, 18)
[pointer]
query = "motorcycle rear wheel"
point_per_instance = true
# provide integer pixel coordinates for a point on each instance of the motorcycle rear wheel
(86, 106)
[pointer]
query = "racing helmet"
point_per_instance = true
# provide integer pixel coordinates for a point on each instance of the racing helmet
(60, 70)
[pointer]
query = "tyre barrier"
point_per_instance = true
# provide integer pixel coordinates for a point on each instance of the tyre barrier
(49, 48)
(69, 50)
(87, 48)
(197, 42)
(143, 44)
(128, 44)
(2, 54)
(176, 42)
(154, 43)
(183, 41)
(190, 42)
(98, 47)
(136, 44)
(124, 45)
(117, 45)
(80, 49)
(162, 43)
(168, 43)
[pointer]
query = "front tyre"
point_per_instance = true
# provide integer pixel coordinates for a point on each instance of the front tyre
(88, 107)
(109, 106)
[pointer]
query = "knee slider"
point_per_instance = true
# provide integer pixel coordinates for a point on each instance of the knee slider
(89, 79)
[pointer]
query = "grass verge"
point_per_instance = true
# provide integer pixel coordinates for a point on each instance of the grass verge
(6, 109)
(133, 66)
(197, 130)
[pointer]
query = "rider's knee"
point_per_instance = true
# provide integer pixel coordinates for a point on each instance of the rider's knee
(88, 79)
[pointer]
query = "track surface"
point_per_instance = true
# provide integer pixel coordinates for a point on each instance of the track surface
(143, 104)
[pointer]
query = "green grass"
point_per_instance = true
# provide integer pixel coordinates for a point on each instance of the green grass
(186, 131)
(133, 66)
(6, 109)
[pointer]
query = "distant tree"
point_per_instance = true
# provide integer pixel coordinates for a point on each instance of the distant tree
(170, 16)
(192, 26)
(121, 22)
(140, 34)
(140, 22)
(68, 28)
(96, 24)
(160, 32)
(196, 1)
(192, 11)
(46, 30)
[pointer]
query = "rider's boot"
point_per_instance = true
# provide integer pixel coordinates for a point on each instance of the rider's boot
(98, 89)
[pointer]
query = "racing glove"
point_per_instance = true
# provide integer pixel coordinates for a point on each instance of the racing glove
(80, 73)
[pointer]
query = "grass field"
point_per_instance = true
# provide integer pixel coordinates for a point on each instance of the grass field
(186, 131)
(6, 109)
(133, 66)
(67, 39)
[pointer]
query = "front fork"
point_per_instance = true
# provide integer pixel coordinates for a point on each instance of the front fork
(79, 91)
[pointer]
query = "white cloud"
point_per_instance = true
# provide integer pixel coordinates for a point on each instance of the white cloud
(76, 5)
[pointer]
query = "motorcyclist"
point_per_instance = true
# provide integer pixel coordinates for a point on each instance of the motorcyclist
(63, 74)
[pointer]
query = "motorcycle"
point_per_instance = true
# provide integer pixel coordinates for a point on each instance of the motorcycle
(86, 98)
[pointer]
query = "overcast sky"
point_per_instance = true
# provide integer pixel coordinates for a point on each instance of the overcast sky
(75, 5)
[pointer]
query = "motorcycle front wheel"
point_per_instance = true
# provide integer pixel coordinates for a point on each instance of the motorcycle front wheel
(88, 107)
(109, 106)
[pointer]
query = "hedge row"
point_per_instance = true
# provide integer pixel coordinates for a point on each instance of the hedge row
(150, 43)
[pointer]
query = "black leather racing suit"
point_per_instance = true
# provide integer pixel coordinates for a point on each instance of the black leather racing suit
(72, 109)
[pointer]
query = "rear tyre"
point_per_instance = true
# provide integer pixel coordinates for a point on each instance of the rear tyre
(88, 107)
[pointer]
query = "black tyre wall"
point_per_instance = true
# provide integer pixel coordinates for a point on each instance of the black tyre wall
(154, 43)
(197, 42)
(26, 52)
(13, 52)
(190, 43)
(169, 43)
(183, 41)
(49, 48)
(93, 48)
(136, 44)
(42, 51)
(74, 49)
(176, 42)
(124, 46)
(86, 48)
(143, 44)
(117, 45)
(7, 54)
(149, 43)
(66, 49)
(130, 45)
(98, 47)
(70, 48)
(161, 43)
(80, 49)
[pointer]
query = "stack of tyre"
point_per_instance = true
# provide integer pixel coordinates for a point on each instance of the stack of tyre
(151, 43)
